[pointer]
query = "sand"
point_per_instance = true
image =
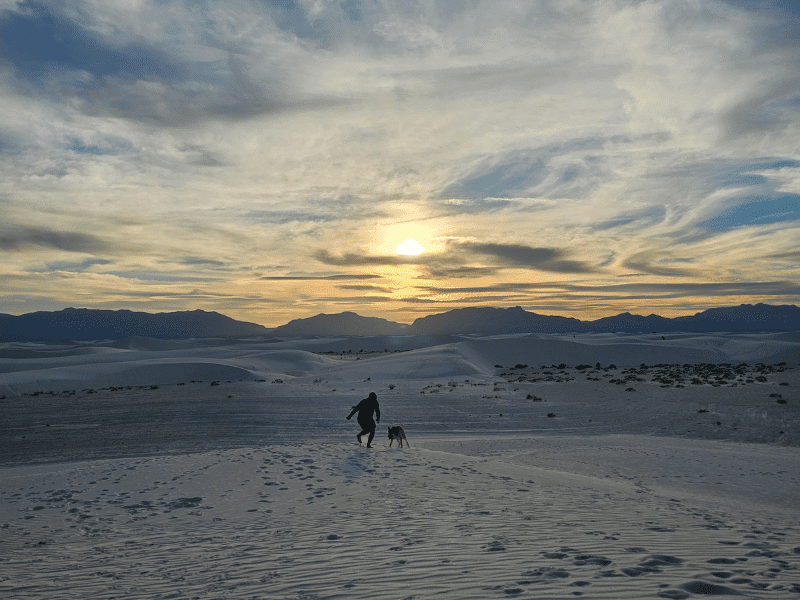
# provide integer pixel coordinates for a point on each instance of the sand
(226, 469)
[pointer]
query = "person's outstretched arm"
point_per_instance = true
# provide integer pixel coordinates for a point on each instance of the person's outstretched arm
(355, 410)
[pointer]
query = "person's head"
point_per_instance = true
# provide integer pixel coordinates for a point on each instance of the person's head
(373, 396)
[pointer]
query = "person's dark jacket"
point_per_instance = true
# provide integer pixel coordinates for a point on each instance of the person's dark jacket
(365, 408)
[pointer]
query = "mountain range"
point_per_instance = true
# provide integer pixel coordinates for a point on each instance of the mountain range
(89, 324)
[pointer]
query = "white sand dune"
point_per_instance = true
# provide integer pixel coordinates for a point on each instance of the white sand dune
(31, 367)
(227, 470)
(632, 350)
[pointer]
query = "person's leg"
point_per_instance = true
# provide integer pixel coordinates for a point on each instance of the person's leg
(369, 439)
(364, 431)
(367, 426)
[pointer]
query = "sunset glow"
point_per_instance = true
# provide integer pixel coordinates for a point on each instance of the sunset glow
(410, 247)
(274, 160)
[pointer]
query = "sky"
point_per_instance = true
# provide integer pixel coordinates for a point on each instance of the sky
(266, 158)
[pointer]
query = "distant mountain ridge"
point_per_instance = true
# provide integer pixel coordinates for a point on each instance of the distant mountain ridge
(495, 321)
(89, 324)
(489, 321)
(346, 323)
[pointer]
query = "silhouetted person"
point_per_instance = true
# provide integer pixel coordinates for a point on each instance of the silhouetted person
(365, 408)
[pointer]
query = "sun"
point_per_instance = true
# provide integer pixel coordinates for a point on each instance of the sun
(410, 247)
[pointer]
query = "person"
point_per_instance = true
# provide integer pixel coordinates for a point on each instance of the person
(365, 408)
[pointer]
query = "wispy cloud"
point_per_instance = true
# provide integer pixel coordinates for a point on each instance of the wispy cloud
(68, 241)
(77, 267)
(352, 259)
(527, 257)
(645, 262)
(353, 277)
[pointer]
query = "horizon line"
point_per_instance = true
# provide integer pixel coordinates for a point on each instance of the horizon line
(624, 312)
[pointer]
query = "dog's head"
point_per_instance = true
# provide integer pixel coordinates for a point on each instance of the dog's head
(394, 431)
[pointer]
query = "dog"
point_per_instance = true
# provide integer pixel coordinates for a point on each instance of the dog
(397, 433)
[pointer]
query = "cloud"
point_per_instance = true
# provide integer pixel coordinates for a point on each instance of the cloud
(444, 269)
(59, 240)
(766, 110)
(790, 255)
(455, 262)
(340, 277)
(351, 259)
(520, 173)
(493, 288)
(472, 206)
(526, 257)
(140, 275)
(644, 262)
(366, 288)
(612, 293)
(645, 217)
(77, 267)
(9, 143)
(201, 262)
(704, 176)
(105, 71)
(233, 95)
(282, 217)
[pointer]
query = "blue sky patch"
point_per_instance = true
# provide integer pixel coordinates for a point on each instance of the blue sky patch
(76, 267)
(711, 175)
(116, 146)
(39, 42)
(757, 211)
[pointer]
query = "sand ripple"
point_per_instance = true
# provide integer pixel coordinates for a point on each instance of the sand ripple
(337, 521)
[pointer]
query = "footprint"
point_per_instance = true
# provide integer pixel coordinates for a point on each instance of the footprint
(588, 559)
(723, 561)
(495, 546)
(708, 589)
(673, 595)
(657, 560)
